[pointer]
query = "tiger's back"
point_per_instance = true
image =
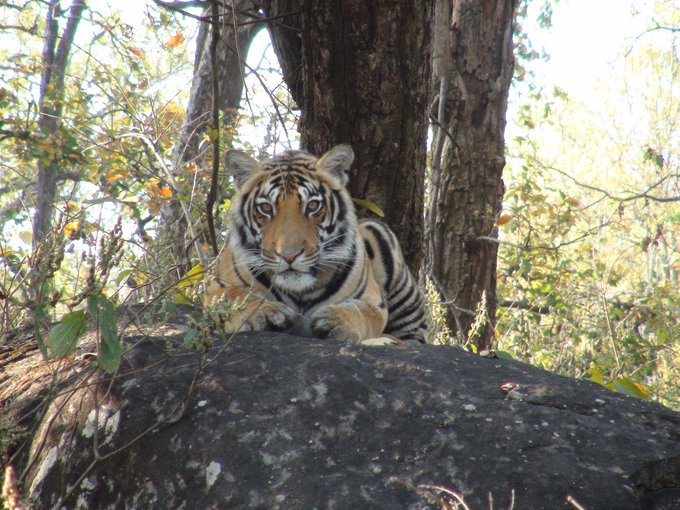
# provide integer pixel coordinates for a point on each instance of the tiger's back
(406, 314)
(297, 253)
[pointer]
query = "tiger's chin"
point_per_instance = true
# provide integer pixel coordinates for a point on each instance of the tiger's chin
(295, 281)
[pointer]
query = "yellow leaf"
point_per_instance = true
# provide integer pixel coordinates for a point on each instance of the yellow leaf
(71, 207)
(26, 236)
(505, 218)
(129, 200)
(225, 205)
(175, 40)
(180, 299)
(194, 275)
(630, 387)
(594, 374)
(370, 205)
(211, 134)
(72, 229)
(643, 390)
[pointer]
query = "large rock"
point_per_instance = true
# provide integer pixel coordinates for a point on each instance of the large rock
(275, 421)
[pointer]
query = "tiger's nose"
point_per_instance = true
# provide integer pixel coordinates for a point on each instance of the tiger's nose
(289, 255)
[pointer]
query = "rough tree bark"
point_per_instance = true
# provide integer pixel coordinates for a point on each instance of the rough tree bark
(55, 55)
(236, 34)
(364, 80)
(473, 65)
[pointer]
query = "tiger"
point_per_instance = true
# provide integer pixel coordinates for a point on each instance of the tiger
(300, 261)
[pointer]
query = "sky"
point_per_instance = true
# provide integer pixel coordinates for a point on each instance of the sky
(586, 44)
(587, 41)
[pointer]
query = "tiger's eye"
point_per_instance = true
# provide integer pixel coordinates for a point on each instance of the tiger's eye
(265, 209)
(313, 207)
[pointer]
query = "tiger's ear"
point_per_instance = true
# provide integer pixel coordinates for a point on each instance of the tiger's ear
(337, 162)
(240, 165)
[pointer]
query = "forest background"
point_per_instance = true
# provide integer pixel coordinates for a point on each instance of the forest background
(588, 260)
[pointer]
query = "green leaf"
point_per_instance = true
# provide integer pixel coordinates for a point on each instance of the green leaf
(123, 275)
(629, 387)
(190, 334)
(110, 348)
(93, 306)
(371, 206)
(64, 336)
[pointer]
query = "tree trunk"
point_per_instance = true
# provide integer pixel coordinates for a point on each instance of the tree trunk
(285, 27)
(56, 51)
(55, 55)
(473, 65)
(364, 80)
(231, 51)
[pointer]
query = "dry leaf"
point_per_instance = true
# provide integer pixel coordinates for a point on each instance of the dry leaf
(175, 40)
(502, 220)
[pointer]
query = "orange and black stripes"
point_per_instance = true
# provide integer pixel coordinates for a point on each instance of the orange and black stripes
(294, 237)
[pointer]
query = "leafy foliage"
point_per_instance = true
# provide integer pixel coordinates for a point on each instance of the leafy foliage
(589, 259)
(114, 101)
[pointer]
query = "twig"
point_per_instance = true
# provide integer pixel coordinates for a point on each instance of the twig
(187, 214)
(575, 503)
(212, 194)
(637, 196)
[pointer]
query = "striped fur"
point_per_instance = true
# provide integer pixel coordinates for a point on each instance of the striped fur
(299, 260)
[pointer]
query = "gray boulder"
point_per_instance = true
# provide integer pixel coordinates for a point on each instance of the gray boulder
(275, 421)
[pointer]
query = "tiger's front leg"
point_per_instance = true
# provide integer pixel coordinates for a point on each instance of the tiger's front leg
(259, 315)
(352, 321)
(238, 309)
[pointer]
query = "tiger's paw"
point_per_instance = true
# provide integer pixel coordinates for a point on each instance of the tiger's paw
(382, 341)
(330, 322)
(280, 318)
(265, 317)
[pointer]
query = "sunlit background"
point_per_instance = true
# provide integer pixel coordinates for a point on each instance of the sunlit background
(589, 259)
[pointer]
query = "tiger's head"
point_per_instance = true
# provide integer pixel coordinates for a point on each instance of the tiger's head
(292, 220)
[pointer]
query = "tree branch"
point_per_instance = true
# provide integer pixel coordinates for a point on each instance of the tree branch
(637, 196)
(20, 135)
(181, 6)
(523, 305)
(29, 30)
(175, 187)
(657, 27)
(547, 247)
